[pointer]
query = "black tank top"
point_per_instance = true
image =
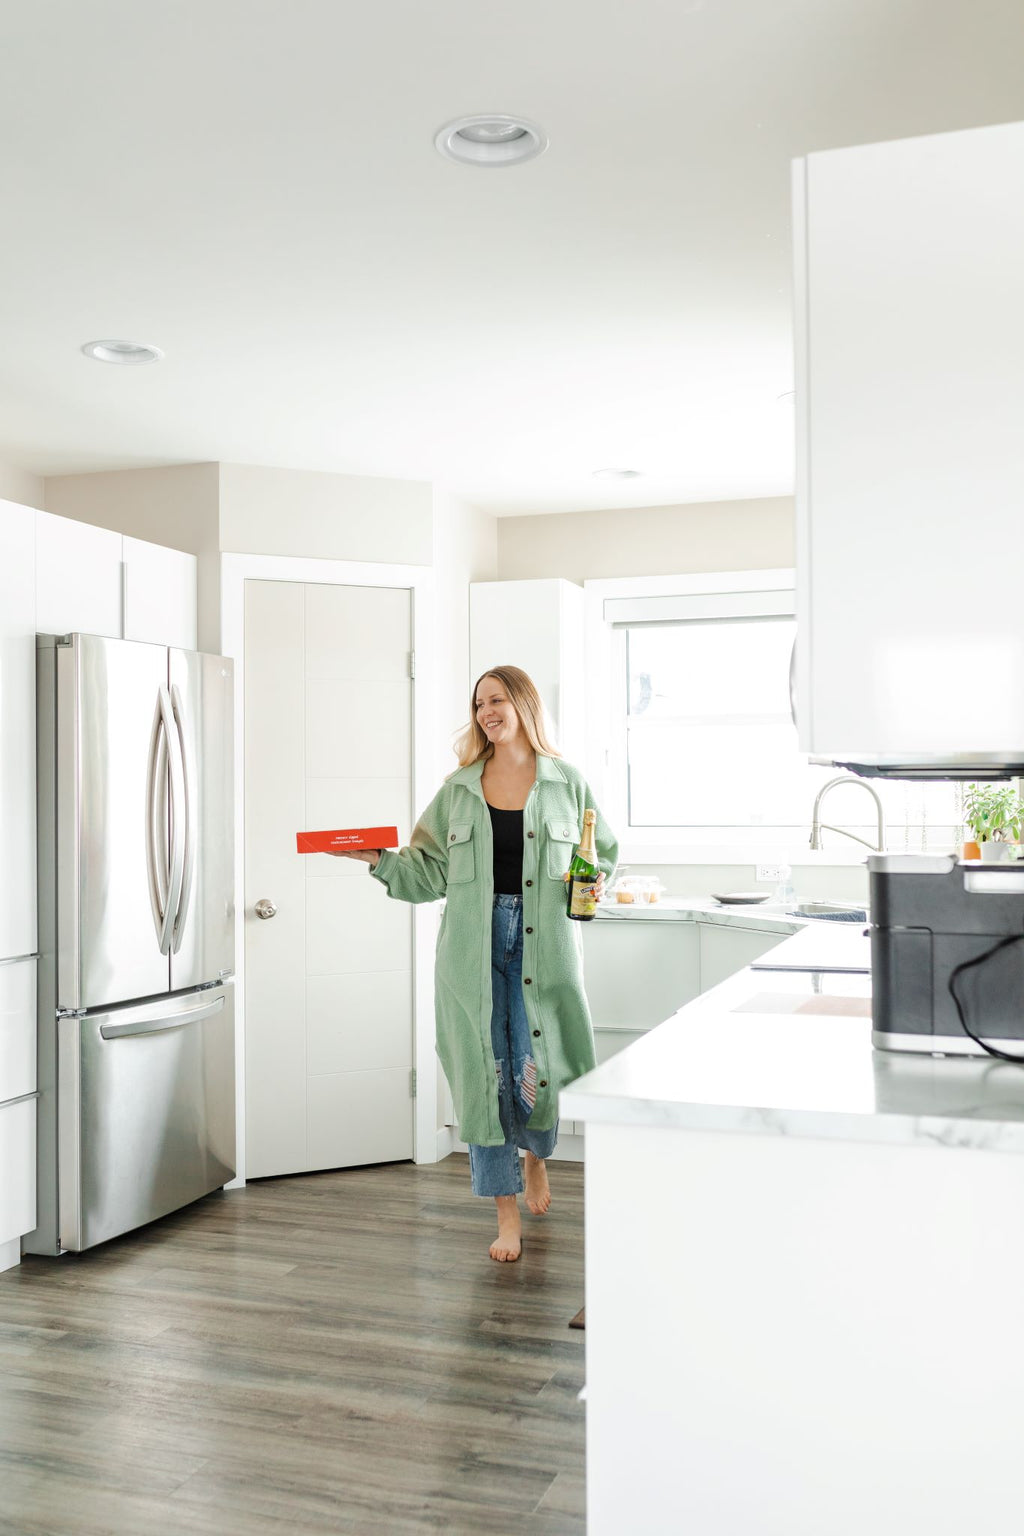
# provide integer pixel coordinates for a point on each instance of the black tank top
(507, 828)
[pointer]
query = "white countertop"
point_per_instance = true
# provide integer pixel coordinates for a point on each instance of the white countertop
(695, 909)
(789, 1053)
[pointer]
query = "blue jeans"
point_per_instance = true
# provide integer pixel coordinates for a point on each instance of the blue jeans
(496, 1170)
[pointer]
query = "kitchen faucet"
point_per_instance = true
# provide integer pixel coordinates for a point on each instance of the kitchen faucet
(817, 825)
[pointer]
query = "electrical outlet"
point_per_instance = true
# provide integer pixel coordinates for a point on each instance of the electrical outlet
(769, 871)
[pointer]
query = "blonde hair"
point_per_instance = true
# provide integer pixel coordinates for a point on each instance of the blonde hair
(473, 745)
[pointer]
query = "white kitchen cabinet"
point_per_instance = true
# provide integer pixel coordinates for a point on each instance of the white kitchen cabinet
(726, 950)
(910, 450)
(17, 732)
(17, 1105)
(105, 583)
(78, 577)
(17, 1029)
(159, 594)
(638, 971)
(538, 626)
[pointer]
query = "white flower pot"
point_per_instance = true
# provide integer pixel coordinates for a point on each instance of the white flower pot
(993, 852)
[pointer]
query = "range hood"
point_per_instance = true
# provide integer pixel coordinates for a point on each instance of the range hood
(957, 766)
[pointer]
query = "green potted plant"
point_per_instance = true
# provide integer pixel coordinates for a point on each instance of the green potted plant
(994, 813)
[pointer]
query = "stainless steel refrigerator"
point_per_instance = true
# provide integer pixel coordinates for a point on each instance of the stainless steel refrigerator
(136, 935)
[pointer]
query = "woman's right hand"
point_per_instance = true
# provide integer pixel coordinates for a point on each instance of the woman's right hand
(367, 855)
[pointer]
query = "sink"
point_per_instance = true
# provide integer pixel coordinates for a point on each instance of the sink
(830, 911)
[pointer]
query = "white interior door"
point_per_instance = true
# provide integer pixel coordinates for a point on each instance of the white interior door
(328, 978)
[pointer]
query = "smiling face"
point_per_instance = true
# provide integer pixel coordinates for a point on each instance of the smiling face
(495, 713)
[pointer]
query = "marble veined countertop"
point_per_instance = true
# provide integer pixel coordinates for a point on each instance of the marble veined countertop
(685, 909)
(788, 1053)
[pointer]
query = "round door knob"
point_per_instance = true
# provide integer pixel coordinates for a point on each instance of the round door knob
(265, 907)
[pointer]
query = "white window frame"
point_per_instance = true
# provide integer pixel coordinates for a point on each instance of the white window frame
(606, 686)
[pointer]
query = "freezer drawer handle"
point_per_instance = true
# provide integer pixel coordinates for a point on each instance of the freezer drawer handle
(156, 1025)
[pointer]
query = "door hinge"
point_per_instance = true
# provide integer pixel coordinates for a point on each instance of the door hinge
(412, 664)
(412, 1083)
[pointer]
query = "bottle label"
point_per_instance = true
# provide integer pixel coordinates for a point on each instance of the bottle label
(583, 902)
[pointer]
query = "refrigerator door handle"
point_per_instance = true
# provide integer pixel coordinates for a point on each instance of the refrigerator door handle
(152, 1019)
(156, 823)
(176, 781)
(188, 778)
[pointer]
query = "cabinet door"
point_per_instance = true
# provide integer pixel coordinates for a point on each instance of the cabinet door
(910, 399)
(17, 731)
(18, 1160)
(159, 594)
(17, 1029)
(78, 577)
(726, 950)
(638, 971)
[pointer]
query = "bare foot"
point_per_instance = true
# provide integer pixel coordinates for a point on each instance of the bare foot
(508, 1244)
(538, 1192)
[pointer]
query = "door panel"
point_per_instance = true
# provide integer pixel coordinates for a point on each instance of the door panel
(368, 803)
(359, 1117)
(275, 959)
(358, 1023)
(203, 701)
(329, 978)
(356, 727)
(107, 698)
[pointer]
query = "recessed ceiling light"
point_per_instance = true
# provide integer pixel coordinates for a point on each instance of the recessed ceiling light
(124, 352)
(617, 474)
(490, 139)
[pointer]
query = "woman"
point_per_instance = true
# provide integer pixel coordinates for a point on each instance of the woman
(496, 842)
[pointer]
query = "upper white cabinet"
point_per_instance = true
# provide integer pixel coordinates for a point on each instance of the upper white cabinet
(17, 732)
(78, 577)
(538, 626)
(159, 594)
(910, 434)
(104, 583)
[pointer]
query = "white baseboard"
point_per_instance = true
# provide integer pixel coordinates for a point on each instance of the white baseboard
(445, 1142)
(568, 1150)
(10, 1253)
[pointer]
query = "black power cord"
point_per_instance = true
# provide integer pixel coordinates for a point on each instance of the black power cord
(966, 965)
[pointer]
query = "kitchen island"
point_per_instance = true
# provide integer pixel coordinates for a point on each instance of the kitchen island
(804, 1270)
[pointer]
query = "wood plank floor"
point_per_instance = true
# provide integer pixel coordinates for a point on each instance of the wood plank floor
(329, 1352)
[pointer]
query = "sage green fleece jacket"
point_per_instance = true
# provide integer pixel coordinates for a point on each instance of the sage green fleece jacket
(451, 855)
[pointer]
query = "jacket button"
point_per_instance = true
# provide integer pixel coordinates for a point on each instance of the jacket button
(452, 838)
(529, 834)
(536, 1034)
(543, 1082)
(527, 980)
(529, 882)
(529, 930)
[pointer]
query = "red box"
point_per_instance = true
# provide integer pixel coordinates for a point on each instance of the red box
(353, 837)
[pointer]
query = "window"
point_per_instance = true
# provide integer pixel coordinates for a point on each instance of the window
(704, 743)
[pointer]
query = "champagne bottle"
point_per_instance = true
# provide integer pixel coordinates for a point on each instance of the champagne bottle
(581, 900)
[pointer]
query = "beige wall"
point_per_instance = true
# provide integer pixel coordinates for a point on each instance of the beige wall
(18, 485)
(172, 504)
(267, 511)
(648, 541)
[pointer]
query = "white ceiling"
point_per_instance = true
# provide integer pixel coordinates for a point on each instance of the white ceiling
(252, 186)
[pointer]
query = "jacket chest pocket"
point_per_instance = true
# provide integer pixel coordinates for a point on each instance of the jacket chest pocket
(461, 862)
(562, 838)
